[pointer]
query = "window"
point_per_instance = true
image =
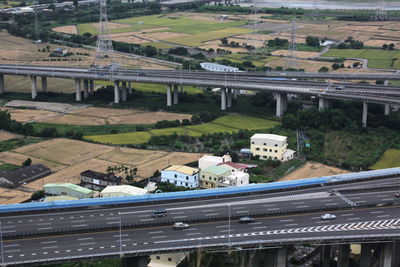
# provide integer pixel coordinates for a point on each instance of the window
(276, 151)
(187, 177)
(186, 184)
(266, 150)
(265, 144)
(215, 179)
(252, 143)
(206, 183)
(241, 182)
(157, 257)
(270, 150)
(204, 176)
(276, 158)
(175, 176)
(169, 259)
(209, 178)
(276, 144)
(257, 149)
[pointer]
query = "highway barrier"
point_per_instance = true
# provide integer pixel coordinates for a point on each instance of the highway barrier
(206, 193)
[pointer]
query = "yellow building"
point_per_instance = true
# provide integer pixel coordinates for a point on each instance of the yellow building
(271, 146)
(211, 176)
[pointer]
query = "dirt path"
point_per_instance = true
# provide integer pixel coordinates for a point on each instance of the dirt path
(312, 169)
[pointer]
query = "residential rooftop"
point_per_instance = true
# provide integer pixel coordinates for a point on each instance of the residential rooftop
(182, 169)
(74, 187)
(270, 137)
(217, 170)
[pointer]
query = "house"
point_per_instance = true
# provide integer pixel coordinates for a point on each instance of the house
(122, 190)
(181, 175)
(167, 260)
(23, 175)
(68, 189)
(237, 167)
(271, 146)
(237, 178)
(208, 161)
(209, 177)
(99, 181)
(60, 52)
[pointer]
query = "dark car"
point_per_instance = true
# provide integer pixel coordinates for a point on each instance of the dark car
(246, 220)
(397, 195)
(159, 213)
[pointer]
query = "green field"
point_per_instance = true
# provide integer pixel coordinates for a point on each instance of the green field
(90, 28)
(227, 123)
(390, 159)
(377, 58)
(257, 60)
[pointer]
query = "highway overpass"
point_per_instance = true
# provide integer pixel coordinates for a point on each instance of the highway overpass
(367, 212)
(228, 82)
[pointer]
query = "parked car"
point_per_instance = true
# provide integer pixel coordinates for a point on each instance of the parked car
(180, 226)
(328, 216)
(159, 213)
(246, 220)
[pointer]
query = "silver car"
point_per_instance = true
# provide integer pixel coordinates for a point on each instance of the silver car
(328, 216)
(180, 226)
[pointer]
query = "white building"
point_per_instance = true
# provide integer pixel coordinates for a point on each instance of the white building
(218, 67)
(166, 260)
(208, 161)
(122, 190)
(271, 146)
(181, 175)
(237, 178)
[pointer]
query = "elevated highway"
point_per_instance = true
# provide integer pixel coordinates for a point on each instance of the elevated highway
(365, 212)
(229, 83)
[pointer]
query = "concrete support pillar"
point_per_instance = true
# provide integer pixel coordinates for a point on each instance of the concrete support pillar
(44, 84)
(386, 83)
(34, 87)
(284, 102)
(124, 92)
(344, 255)
(2, 87)
(325, 256)
(365, 114)
(139, 261)
(387, 110)
(229, 98)
(281, 257)
(366, 255)
(77, 89)
(386, 258)
(235, 93)
(396, 253)
(116, 92)
(176, 94)
(182, 89)
(324, 103)
(279, 105)
(169, 96)
(85, 88)
(223, 98)
(91, 87)
(130, 88)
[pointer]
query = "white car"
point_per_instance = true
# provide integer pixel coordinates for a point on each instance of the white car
(328, 216)
(180, 226)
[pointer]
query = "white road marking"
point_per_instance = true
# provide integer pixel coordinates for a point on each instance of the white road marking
(156, 232)
(86, 238)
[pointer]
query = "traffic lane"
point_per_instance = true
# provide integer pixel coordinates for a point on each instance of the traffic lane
(146, 235)
(383, 196)
(183, 213)
(76, 217)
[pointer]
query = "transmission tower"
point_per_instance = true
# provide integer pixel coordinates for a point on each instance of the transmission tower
(292, 46)
(37, 35)
(255, 10)
(104, 49)
(380, 13)
(315, 12)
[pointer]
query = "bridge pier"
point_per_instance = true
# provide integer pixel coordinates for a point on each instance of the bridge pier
(281, 102)
(275, 257)
(323, 103)
(344, 255)
(365, 114)
(78, 90)
(138, 261)
(387, 110)
(386, 257)
(366, 254)
(116, 92)
(34, 86)
(2, 87)
(44, 84)
(176, 94)
(85, 88)
(229, 98)
(396, 253)
(124, 91)
(169, 96)
(129, 88)
(325, 256)
(223, 98)
(235, 93)
(91, 87)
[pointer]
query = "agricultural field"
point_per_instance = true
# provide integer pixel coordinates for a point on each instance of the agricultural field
(312, 169)
(390, 159)
(7, 135)
(68, 158)
(227, 123)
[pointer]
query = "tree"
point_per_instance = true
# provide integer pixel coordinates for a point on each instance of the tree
(180, 51)
(38, 195)
(150, 51)
(27, 162)
(312, 41)
(75, 3)
(385, 46)
(391, 46)
(224, 41)
(335, 66)
(323, 69)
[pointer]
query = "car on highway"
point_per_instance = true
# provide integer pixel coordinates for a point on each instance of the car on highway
(328, 216)
(180, 226)
(246, 220)
(397, 195)
(159, 213)
(340, 87)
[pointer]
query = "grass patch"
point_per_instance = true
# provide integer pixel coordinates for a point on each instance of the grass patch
(88, 129)
(9, 167)
(216, 126)
(274, 174)
(390, 159)
(199, 38)
(18, 142)
(160, 45)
